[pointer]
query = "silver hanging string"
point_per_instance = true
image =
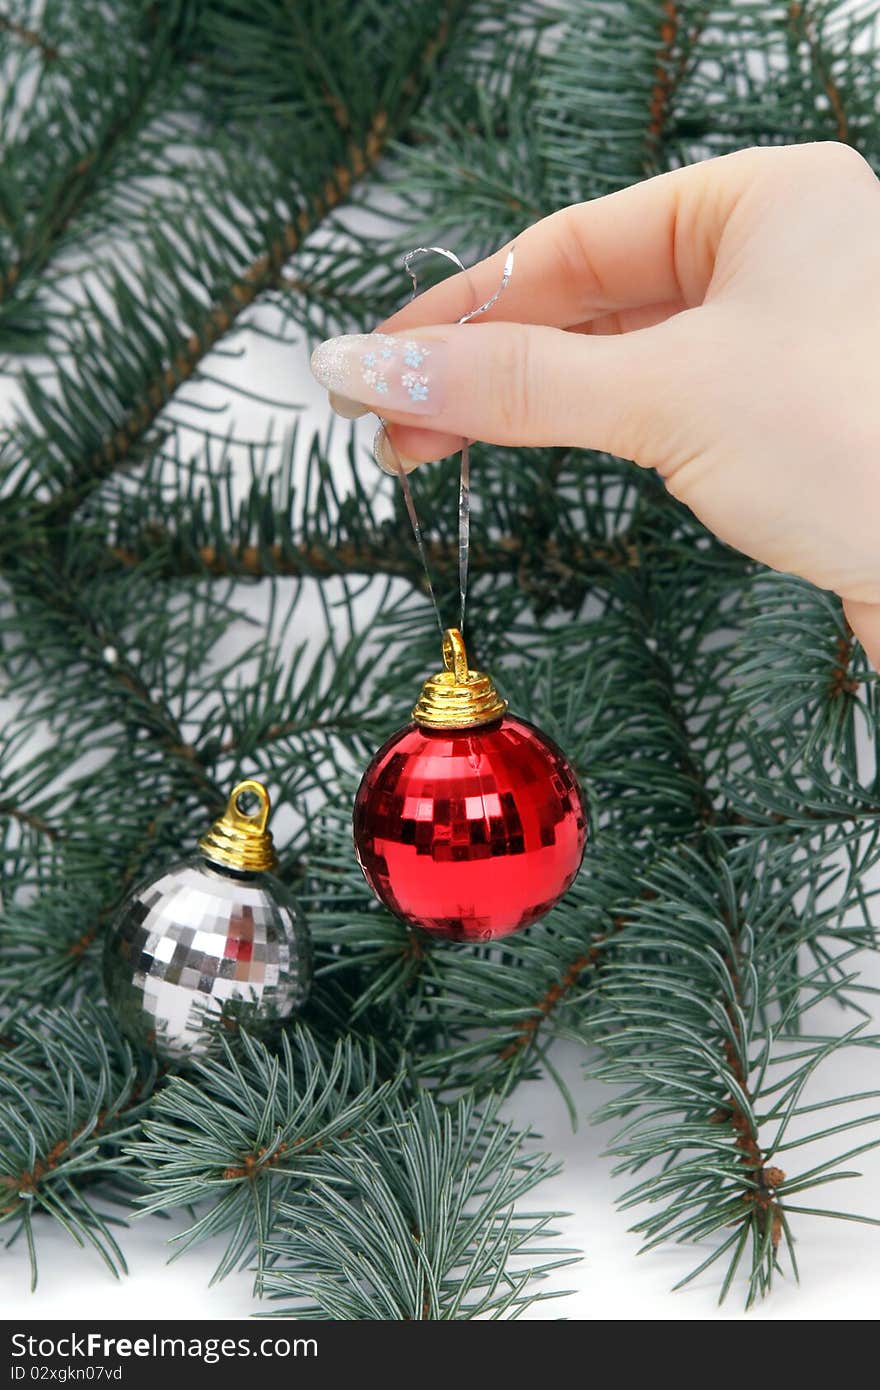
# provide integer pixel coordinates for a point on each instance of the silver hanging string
(464, 527)
(505, 281)
(464, 484)
(414, 523)
(426, 251)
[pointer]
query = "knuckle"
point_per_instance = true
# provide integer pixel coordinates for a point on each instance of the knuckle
(575, 263)
(514, 389)
(806, 158)
(826, 158)
(835, 154)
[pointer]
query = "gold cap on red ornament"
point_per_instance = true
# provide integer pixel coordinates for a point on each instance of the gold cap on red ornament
(457, 697)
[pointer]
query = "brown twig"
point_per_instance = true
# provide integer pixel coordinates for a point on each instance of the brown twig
(29, 818)
(28, 1181)
(766, 1177)
(30, 37)
(664, 79)
(507, 553)
(255, 1163)
(802, 24)
(554, 995)
(528, 1029)
(842, 681)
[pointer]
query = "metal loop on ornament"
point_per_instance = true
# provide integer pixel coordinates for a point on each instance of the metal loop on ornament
(239, 840)
(455, 655)
(464, 485)
(249, 820)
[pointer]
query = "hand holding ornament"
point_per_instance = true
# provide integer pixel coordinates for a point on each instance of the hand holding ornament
(718, 323)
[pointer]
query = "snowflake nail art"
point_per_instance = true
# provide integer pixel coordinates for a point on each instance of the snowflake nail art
(373, 377)
(414, 354)
(416, 385)
(387, 367)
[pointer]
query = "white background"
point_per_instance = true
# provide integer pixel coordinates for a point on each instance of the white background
(840, 1261)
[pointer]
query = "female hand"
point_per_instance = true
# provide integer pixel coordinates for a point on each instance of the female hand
(720, 323)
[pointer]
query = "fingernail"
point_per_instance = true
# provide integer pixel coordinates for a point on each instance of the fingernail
(379, 369)
(386, 455)
(347, 408)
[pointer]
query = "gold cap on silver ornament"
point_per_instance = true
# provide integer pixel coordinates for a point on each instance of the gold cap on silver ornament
(238, 839)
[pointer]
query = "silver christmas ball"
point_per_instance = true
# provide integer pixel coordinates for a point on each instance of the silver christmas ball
(206, 947)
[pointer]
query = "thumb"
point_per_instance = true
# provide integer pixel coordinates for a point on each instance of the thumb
(514, 383)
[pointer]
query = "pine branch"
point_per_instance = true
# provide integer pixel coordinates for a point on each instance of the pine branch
(701, 1072)
(675, 57)
(557, 993)
(262, 274)
(83, 627)
(245, 1132)
(663, 84)
(70, 1092)
(74, 186)
(429, 1201)
(25, 817)
(82, 140)
(501, 555)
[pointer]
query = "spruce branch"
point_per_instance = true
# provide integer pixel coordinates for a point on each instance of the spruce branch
(82, 140)
(246, 1131)
(802, 696)
(703, 1071)
(664, 80)
(70, 1092)
(84, 627)
(673, 68)
(557, 993)
(430, 1202)
(263, 273)
(501, 555)
(29, 818)
(73, 186)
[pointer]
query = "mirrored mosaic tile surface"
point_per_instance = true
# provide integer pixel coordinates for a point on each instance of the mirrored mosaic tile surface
(200, 949)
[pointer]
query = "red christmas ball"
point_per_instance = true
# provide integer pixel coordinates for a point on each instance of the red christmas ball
(470, 833)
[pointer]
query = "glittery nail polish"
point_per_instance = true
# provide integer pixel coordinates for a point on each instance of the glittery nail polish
(381, 369)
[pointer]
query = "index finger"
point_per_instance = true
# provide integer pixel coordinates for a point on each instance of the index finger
(623, 251)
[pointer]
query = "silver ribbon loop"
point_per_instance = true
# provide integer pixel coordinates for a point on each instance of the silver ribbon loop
(464, 485)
